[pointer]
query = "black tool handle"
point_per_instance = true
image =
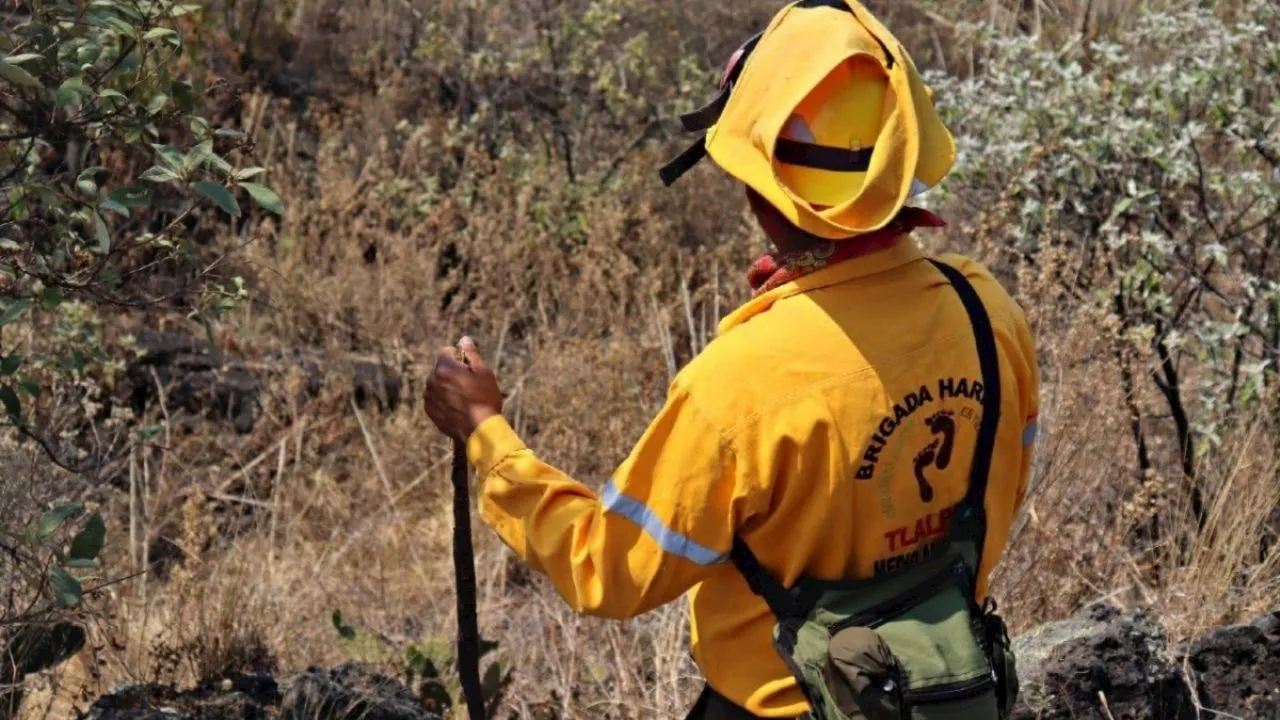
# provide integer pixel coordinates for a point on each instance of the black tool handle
(464, 569)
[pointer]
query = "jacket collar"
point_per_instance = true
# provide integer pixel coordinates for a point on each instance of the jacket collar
(904, 250)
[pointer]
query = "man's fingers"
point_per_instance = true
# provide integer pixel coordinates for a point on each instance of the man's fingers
(472, 353)
(447, 360)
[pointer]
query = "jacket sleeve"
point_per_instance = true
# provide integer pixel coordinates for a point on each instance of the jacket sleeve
(659, 526)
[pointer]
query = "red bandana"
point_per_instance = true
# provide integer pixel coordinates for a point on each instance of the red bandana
(777, 269)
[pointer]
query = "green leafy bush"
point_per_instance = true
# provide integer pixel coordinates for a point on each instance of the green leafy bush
(1144, 178)
(111, 176)
(109, 170)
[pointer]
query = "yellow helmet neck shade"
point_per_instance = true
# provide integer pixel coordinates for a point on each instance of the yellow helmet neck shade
(824, 115)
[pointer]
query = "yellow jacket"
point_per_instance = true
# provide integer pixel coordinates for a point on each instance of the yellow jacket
(813, 425)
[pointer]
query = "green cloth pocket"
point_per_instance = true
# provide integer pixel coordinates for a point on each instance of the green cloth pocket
(911, 646)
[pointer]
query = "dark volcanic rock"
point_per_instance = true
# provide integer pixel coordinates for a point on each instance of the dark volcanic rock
(1107, 664)
(350, 692)
(1103, 657)
(346, 693)
(200, 379)
(1236, 670)
(1102, 664)
(195, 376)
(160, 702)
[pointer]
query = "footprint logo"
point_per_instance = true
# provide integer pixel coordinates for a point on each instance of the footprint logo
(924, 459)
(938, 452)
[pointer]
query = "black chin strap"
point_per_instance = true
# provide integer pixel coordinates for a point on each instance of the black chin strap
(969, 521)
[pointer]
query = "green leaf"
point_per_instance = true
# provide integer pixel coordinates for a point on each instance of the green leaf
(51, 520)
(203, 153)
(228, 133)
(197, 155)
(70, 90)
(24, 57)
(79, 563)
(131, 197)
(157, 103)
(10, 364)
(50, 298)
(12, 405)
(8, 244)
(219, 195)
(104, 235)
(345, 630)
(65, 588)
(85, 181)
(249, 173)
(160, 32)
(88, 542)
(170, 156)
(155, 173)
(199, 127)
(88, 55)
(180, 10)
(223, 165)
(18, 76)
(117, 99)
(14, 311)
(113, 206)
(120, 26)
(29, 387)
(266, 199)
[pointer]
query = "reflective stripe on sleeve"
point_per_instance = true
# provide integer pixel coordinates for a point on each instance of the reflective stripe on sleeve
(669, 540)
(1029, 433)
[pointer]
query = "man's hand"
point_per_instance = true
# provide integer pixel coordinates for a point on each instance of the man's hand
(462, 391)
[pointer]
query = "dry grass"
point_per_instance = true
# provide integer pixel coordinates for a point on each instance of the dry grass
(586, 295)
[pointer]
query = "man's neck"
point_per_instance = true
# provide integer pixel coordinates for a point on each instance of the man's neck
(791, 241)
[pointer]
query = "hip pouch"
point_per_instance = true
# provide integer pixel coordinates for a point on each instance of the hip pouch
(912, 646)
(914, 643)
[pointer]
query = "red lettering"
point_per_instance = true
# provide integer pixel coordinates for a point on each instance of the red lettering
(926, 528)
(930, 527)
(896, 537)
(922, 531)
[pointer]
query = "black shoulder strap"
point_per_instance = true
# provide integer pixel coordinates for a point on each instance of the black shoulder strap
(972, 508)
(989, 362)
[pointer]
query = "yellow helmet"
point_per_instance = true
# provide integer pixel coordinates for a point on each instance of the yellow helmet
(845, 111)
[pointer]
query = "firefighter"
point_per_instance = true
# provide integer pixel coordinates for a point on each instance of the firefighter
(832, 428)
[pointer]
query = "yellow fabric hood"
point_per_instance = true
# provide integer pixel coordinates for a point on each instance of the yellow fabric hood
(824, 61)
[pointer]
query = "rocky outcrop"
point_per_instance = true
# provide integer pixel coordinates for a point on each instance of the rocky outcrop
(1236, 670)
(1103, 664)
(348, 692)
(199, 378)
(1107, 664)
